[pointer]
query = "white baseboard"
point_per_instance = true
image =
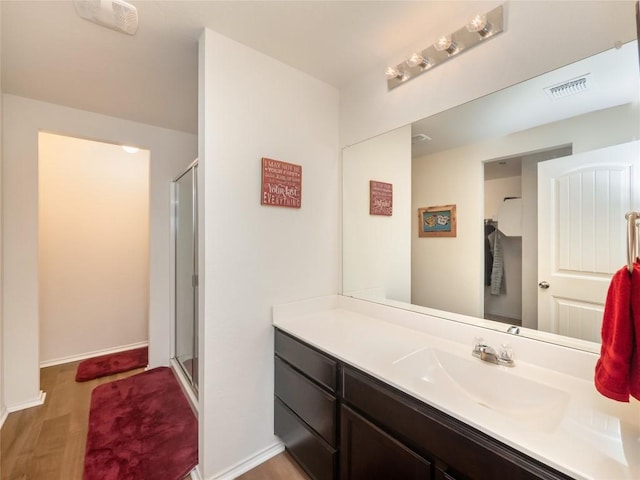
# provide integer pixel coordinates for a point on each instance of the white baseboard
(250, 463)
(31, 403)
(96, 353)
(3, 416)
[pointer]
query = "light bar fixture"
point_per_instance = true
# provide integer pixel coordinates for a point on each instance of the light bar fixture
(480, 27)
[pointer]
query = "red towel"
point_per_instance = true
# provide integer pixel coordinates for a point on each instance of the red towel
(617, 370)
(634, 374)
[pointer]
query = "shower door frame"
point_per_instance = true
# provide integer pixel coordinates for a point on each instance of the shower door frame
(191, 378)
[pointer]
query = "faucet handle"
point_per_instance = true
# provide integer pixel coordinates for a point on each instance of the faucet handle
(506, 352)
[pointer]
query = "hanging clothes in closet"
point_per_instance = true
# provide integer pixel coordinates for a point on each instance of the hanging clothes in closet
(496, 280)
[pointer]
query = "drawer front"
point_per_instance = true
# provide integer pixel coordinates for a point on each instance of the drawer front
(432, 433)
(310, 402)
(314, 364)
(317, 458)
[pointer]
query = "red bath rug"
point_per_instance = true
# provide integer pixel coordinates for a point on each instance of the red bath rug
(113, 363)
(141, 428)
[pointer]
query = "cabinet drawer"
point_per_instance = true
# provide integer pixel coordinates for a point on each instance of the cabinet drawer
(310, 402)
(317, 458)
(436, 435)
(312, 363)
(368, 453)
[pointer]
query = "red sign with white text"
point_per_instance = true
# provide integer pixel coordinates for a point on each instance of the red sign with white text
(281, 184)
(381, 201)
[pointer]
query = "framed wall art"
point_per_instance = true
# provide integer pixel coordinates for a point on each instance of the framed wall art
(380, 198)
(437, 221)
(281, 184)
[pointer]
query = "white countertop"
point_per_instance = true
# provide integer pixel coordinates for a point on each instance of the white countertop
(587, 437)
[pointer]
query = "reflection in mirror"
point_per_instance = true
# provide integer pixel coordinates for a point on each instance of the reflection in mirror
(541, 175)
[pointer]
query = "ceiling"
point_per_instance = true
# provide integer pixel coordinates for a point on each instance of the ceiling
(51, 54)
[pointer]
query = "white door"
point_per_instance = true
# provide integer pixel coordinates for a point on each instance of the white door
(582, 200)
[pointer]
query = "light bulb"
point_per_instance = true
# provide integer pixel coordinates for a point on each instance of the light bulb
(479, 24)
(392, 73)
(418, 60)
(445, 44)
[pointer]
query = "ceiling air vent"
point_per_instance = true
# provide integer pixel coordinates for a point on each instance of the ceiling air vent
(115, 14)
(420, 138)
(570, 87)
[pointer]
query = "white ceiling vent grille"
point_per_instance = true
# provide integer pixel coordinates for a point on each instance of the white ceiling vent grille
(420, 138)
(115, 14)
(570, 87)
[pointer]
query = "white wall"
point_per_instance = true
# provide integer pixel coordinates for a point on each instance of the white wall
(94, 247)
(495, 191)
(3, 408)
(254, 256)
(377, 249)
(456, 265)
(572, 31)
(23, 118)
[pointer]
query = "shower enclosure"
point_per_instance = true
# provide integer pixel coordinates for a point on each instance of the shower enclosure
(185, 242)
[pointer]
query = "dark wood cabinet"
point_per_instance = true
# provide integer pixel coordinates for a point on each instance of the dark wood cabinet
(306, 405)
(339, 422)
(459, 451)
(368, 453)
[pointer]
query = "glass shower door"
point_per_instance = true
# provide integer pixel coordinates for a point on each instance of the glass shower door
(186, 274)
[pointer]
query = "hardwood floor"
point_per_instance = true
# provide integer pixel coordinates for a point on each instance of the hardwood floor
(280, 467)
(48, 442)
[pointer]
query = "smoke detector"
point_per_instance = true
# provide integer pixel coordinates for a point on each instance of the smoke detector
(115, 14)
(570, 87)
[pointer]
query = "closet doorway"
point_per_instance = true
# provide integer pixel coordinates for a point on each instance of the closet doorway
(185, 245)
(93, 242)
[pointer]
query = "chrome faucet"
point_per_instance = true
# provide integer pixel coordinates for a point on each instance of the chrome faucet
(487, 354)
(513, 330)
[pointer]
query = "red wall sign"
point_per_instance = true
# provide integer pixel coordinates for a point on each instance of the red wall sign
(281, 183)
(381, 198)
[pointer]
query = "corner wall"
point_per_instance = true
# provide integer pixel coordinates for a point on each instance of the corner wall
(254, 256)
(3, 407)
(376, 249)
(23, 118)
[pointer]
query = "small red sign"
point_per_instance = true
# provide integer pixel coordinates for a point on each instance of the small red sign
(281, 184)
(381, 198)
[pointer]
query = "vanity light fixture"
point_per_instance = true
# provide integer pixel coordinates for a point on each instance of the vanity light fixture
(480, 27)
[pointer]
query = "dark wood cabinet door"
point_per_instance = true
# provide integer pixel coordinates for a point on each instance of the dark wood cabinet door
(368, 453)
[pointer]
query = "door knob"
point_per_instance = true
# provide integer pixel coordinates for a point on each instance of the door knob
(544, 285)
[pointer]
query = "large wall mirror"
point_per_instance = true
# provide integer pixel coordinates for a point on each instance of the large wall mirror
(541, 175)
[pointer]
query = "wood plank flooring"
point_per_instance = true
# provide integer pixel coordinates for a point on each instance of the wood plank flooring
(48, 442)
(280, 467)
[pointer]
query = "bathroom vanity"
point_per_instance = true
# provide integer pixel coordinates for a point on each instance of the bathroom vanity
(364, 391)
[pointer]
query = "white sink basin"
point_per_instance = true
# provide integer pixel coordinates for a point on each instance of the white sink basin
(498, 388)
